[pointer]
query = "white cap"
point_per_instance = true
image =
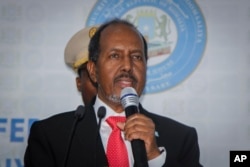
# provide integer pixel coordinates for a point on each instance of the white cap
(76, 51)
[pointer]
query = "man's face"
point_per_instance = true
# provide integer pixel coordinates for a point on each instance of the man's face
(121, 64)
(85, 86)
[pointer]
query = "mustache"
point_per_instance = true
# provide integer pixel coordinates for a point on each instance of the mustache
(126, 75)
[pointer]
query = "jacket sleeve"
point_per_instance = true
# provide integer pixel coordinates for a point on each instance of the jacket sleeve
(38, 152)
(190, 153)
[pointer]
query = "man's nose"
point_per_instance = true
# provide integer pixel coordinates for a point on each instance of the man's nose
(127, 64)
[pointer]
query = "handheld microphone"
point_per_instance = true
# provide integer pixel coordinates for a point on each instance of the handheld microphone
(79, 114)
(130, 102)
(101, 114)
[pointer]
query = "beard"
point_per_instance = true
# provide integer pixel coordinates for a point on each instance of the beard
(114, 99)
(112, 96)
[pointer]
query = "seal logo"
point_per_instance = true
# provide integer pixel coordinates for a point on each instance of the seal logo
(92, 31)
(174, 29)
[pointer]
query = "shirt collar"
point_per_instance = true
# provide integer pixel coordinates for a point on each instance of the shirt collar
(109, 110)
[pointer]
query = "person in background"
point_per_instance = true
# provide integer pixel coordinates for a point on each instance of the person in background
(76, 57)
(117, 60)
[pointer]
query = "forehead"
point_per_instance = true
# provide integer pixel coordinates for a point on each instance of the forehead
(120, 32)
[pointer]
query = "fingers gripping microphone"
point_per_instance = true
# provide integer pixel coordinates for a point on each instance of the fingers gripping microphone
(130, 102)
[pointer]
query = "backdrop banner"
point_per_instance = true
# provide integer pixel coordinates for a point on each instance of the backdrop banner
(198, 67)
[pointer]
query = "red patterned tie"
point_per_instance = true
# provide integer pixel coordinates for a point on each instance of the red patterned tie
(116, 150)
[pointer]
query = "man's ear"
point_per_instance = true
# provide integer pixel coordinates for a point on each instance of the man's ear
(79, 84)
(91, 67)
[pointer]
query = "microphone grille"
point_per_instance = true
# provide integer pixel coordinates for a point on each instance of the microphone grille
(129, 97)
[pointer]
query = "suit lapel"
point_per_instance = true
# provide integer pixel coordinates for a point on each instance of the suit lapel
(90, 140)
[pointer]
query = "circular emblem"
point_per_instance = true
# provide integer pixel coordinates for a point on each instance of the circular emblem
(92, 31)
(175, 32)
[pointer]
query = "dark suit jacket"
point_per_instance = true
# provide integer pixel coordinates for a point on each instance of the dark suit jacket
(48, 142)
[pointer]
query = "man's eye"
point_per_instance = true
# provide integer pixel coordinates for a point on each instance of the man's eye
(137, 57)
(114, 56)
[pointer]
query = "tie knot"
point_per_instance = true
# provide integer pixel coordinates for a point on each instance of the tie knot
(114, 119)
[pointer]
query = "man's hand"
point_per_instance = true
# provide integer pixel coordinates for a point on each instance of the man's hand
(138, 126)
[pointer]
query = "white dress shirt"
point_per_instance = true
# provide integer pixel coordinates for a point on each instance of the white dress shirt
(105, 131)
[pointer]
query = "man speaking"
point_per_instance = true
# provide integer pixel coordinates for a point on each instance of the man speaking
(117, 60)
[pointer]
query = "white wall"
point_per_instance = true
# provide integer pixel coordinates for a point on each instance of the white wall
(35, 83)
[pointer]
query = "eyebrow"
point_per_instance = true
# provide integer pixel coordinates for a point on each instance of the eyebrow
(130, 51)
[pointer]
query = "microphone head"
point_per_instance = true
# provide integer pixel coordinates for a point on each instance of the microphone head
(80, 111)
(129, 97)
(101, 112)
